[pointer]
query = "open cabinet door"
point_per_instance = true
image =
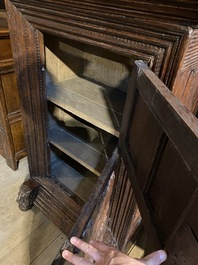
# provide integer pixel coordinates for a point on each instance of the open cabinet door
(159, 146)
(152, 176)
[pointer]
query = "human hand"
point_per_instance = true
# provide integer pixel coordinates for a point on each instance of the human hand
(103, 254)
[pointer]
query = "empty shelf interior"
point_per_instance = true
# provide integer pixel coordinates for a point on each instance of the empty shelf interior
(85, 144)
(88, 82)
(79, 180)
(86, 92)
(100, 105)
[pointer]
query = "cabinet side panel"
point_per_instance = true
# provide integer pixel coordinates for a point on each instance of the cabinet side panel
(185, 86)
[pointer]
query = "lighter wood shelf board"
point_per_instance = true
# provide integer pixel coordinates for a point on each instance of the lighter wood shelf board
(101, 106)
(77, 149)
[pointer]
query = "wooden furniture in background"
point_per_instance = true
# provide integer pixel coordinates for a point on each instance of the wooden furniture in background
(74, 61)
(12, 146)
(2, 5)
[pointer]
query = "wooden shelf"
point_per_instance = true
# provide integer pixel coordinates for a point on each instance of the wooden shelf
(71, 179)
(86, 145)
(100, 105)
(82, 152)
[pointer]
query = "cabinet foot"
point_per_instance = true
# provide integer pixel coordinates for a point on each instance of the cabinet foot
(27, 194)
(12, 163)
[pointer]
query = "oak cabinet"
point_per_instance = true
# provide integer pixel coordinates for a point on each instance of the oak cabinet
(12, 146)
(74, 65)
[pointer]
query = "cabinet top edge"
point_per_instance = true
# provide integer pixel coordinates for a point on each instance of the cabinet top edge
(179, 12)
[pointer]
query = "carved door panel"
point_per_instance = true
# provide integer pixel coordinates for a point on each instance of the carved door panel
(159, 143)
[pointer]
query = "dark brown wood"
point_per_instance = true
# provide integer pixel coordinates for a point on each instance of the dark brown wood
(168, 192)
(12, 146)
(28, 64)
(186, 125)
(56, 41)
(174, 50)
(27, 194)
(167, 195)
(186, 242)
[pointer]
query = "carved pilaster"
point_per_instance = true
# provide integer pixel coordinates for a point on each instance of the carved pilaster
(29, 62)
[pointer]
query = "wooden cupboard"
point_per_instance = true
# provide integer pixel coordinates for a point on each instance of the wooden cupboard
(12, 146)
(74, 62)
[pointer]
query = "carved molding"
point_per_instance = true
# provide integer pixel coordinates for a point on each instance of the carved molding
(131, 36)
(29, 60)
(27, 194)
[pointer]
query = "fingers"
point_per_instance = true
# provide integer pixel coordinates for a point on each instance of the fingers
(86, 248)
(155, 258)
(74, 259)
(97, 250)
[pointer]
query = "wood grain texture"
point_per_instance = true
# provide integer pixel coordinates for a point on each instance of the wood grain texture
(136, 33)
(185, 123)
(12, 145)
(154, 32)
(170, 184)
(83, 97)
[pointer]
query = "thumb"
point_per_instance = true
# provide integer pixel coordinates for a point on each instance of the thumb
(155, 258)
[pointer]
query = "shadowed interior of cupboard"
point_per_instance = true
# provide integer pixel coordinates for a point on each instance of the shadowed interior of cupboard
(86, 92)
